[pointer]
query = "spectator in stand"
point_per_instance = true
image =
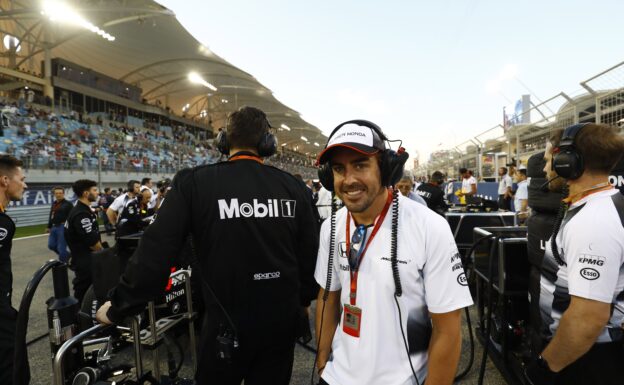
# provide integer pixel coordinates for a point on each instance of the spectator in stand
(56, 220)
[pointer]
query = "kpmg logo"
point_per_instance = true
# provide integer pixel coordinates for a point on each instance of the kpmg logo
(272, 208)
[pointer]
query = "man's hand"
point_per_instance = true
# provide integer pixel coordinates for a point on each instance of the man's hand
(100, 316)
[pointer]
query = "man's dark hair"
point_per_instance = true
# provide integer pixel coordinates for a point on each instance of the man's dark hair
(8, 164)
(504, 170)
(600, 145)
(131, 184)
(57, 188)
(523, 171)
(106, 190)
(82, 185)
(145, 181)
(463, 170)
(246, 127)
(437, 177)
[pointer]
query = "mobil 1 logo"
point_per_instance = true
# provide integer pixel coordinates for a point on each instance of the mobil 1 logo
(257, 208)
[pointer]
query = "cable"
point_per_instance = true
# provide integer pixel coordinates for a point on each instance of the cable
(488, 321)
(563, 208)
(330, 261)
(465, 372)
(37, 339)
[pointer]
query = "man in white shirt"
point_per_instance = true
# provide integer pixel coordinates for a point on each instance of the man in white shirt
(323, 203)
(469, 185)
(582, 279)
(504, 189)
(522, 195)
(401, 307)
(116, 208)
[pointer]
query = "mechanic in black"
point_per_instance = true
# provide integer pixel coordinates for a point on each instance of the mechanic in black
(432, 193)
(12, 187)
(129, 221)
(83, 235)
(256, 239)
(56, 221)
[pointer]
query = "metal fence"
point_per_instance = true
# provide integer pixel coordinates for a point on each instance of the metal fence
(601, 100)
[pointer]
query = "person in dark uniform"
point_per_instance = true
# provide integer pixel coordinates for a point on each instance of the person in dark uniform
(432, 193)
(129, 221)
(82, 234)
(256, 239)
(56, 221)
(12, 187)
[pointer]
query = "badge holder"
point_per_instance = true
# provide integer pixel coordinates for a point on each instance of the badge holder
(352, 319)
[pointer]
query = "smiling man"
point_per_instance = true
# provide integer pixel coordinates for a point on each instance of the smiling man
(400, 305)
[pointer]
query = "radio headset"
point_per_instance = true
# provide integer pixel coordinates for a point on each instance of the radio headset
(391, 165)
(567, 163)
(267, 146)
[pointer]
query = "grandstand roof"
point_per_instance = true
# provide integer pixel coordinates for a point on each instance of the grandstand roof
(151, 50)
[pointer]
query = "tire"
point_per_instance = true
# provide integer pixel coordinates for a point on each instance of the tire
(535, 166)
(540, 201)
(539, 230)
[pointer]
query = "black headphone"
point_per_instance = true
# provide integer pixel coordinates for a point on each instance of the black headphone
(567, 161)
(266, 147)
(391, 165)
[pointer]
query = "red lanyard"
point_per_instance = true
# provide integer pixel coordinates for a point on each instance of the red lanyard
(249, 157)
(378, 222)
(592, 190)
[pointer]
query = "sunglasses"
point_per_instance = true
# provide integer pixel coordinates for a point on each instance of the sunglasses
(357, 245)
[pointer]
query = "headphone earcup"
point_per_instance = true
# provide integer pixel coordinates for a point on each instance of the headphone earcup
(268, 145)
(568, 164)
(326, 176)
(222, 144)
(392, 165)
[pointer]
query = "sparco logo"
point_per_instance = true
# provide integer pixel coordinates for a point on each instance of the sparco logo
(270, 209)
(261, 276)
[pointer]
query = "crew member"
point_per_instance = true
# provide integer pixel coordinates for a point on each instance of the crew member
(12, 187)
(432, 193)
(82, 234)
(371, 336)
(56, 220)
(405, 186)
(121, 202)
(469, 186)
(256, 238)
(323, 202)
(583, 269)
(521, 198)
(504, 189)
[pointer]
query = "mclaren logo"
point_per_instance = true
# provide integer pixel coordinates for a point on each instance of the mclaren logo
(271, 208)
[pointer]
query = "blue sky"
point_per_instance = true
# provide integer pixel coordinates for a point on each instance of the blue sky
(422, 70)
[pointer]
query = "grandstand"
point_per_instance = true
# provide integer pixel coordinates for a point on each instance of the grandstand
(119, 89)
(601, 101)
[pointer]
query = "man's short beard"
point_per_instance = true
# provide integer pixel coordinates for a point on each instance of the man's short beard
(92, 197)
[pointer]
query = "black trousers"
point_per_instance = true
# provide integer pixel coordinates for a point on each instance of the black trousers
(504, 203)
(603, 364)
(8, 316)
(258, 360)
(84, 275)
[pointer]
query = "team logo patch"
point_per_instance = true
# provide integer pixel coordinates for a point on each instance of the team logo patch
(590, 274)
(85, 221)
(462, 279)
(3, 233)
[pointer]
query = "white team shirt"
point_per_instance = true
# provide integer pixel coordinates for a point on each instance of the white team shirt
(467, 184)
(324, 203)
(432, 278)
(522, 193)
(504, 183)
(591, 243)
(118, 203)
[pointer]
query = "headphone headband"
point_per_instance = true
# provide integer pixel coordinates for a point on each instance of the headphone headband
(569, 134)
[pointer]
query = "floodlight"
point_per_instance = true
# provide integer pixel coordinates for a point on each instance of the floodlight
(195, 78)
(285, 127)
(62, 12)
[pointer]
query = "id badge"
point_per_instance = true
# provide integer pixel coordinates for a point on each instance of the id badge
(352, 317)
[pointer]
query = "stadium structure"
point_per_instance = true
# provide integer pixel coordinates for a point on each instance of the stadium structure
(524, 133)
(118, 90)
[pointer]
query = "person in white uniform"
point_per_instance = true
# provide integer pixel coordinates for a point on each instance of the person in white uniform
(401, 306)
(582, 283)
